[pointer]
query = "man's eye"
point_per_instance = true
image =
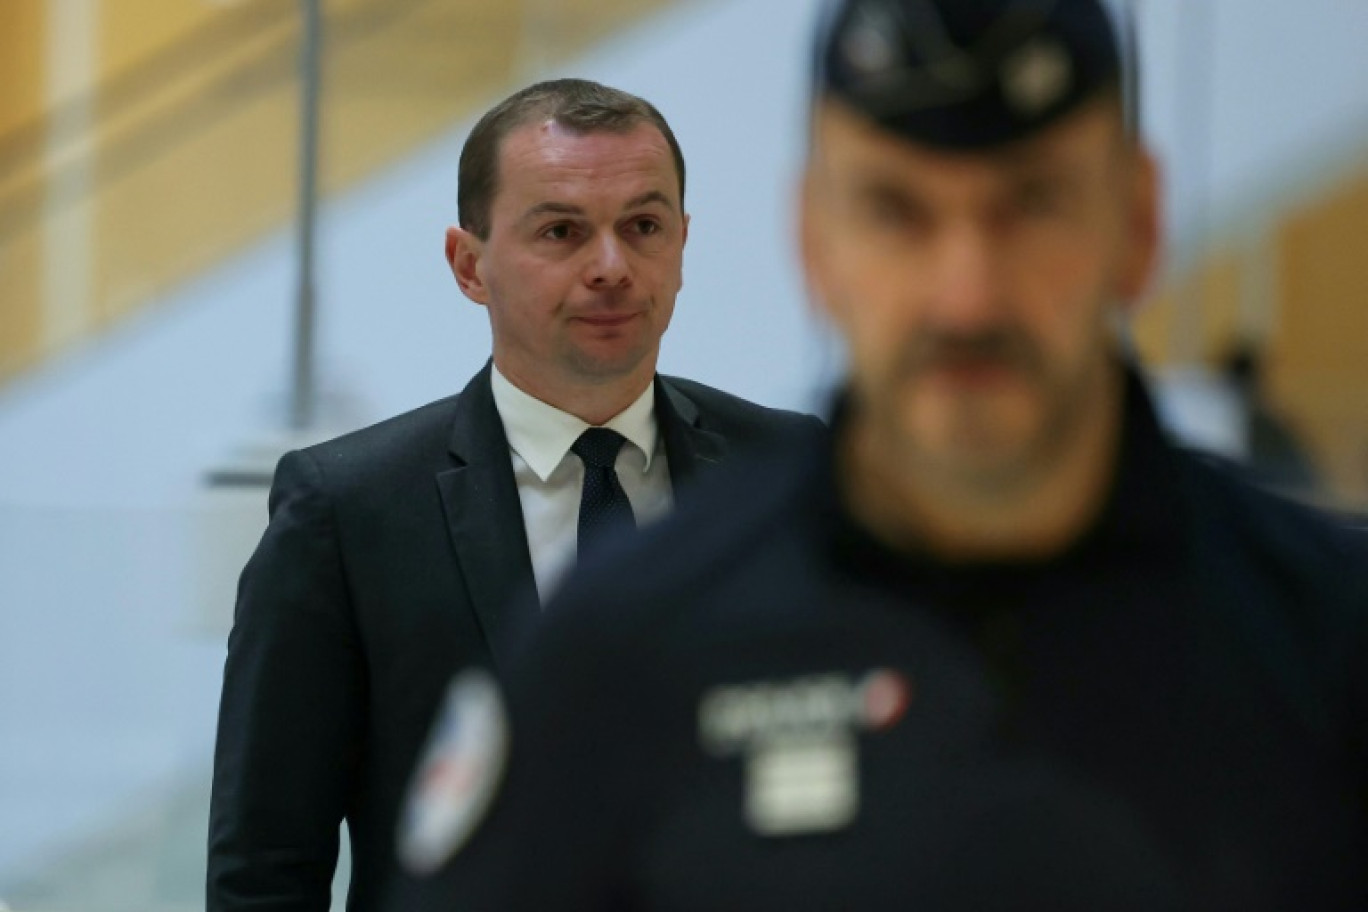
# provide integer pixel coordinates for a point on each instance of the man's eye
(889, 212)
(647, 226)
(558, 232)
(894, 213)
(1038, 198)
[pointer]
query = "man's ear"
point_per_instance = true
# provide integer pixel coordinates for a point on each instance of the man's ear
(811, 249)
(463, 252)
(682, 243)
(1143, 229)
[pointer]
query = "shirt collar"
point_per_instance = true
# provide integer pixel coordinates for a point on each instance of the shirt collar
(542, 434)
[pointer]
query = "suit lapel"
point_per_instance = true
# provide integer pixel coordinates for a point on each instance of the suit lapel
(690, 448)
(484, 517)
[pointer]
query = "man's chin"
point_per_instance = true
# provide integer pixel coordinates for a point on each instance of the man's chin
(993, 455)
(605, 366)
(987, 473)
(973, 417)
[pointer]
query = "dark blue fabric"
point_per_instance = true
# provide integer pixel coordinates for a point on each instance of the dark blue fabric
(603, 503)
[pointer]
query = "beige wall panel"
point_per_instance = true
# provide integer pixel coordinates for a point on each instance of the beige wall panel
(405, 79)
(1320, 367)
(132, 30)
(22, 40)
(191, 155)
(1336, 436)
(20, 320)
(583, 22)
(1214, 289)
(197, 202)
(1323, 320)
(1218, 290)
(394, 80)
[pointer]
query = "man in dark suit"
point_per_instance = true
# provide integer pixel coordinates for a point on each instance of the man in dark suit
(392, 553)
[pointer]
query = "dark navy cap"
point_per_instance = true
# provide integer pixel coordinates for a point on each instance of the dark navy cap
(966, 74)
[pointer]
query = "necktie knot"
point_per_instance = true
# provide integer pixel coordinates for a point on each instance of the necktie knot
(598, 447)
(603, 503)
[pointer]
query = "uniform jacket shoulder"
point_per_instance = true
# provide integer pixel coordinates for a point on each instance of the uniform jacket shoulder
(1285, 536)
(1295, 576)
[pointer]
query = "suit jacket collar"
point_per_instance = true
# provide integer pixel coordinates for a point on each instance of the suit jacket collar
(485, 521)
(484, 514)
(689, 446)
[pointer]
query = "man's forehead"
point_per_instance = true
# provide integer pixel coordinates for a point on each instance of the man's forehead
(548, 144)
(845, 136)
(538, 157)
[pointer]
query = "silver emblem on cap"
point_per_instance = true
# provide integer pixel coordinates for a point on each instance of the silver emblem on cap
(1037, 76)
(868, 45)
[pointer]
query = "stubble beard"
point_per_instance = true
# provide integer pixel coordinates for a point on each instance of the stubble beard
(973, 455)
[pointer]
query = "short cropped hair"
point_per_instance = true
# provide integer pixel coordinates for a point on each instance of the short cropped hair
(578, 105)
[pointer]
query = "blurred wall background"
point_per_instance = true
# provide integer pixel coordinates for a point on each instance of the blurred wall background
(148, 172)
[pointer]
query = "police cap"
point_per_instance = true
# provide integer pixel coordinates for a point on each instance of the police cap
(966, 74)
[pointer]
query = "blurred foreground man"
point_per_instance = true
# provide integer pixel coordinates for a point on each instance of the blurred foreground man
(393, 553)
(1001, 645)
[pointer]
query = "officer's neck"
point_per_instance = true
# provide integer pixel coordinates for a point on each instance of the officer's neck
(958, 518)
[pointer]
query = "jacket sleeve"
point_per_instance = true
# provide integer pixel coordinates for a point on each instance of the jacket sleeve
(291, 717)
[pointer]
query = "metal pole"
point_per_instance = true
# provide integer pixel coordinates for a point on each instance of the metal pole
(302, 399)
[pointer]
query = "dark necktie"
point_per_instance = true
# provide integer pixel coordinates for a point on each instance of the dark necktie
(603, 503)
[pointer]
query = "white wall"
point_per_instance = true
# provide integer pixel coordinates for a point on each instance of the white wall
(1285, 90)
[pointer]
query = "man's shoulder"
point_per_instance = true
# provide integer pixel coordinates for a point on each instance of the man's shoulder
(1275, 523)
(727, 411)
(418, 440)
(1307, 564)
(396, 433)
(386, 448)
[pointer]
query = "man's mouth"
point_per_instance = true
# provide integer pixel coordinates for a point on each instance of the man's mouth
(972, 371)
(607, 321)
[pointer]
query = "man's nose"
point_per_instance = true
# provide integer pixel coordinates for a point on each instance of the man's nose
(968, 289)
(607, 266)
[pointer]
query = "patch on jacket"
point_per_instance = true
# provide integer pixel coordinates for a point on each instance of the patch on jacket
(458, 775)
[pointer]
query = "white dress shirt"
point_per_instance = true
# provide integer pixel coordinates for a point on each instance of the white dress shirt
(550, 477)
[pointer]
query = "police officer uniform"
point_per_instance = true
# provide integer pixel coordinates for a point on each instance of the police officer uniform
(784, 714)
(781, 712)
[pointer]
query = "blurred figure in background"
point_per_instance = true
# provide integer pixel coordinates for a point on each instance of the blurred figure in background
(1272, 451)
(392, 553)
(1000, 644)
